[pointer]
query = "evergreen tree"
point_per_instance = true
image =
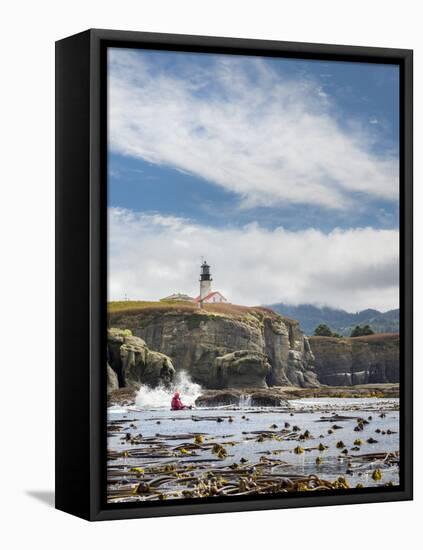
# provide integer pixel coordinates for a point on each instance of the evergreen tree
(322, 330)
(361, 331)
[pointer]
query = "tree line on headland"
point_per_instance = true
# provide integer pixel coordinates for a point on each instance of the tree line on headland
(324, 330)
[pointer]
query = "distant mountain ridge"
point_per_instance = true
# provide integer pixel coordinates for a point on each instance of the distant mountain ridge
(310, 316)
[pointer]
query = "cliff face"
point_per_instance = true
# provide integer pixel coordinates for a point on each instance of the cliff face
(363, 360)
(130, 363)
(225, 345)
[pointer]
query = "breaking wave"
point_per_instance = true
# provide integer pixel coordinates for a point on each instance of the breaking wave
(160, 397)
(244, 401)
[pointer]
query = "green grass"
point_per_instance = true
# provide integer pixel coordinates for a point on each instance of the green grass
(245, 313)
(120, 307)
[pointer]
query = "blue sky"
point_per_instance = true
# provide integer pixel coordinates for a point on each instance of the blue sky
(284, 149)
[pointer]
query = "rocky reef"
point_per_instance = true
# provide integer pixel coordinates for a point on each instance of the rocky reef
(363, 360)
(277, 396)
(131, 363)
(220, 346)
(251, 397)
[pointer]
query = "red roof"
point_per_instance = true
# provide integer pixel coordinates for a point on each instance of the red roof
(209, 295)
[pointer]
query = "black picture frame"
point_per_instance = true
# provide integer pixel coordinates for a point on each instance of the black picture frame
(81, 269)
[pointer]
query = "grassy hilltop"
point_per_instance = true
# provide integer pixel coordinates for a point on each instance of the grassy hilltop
(228, 310)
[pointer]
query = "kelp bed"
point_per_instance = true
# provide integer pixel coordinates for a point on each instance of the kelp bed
(198, 464)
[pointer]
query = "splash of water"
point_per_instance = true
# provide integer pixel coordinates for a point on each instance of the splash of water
(244, 401)
(160, 397)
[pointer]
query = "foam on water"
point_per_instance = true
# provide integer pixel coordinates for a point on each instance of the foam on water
(245, 401)
(160, 397)
(117, 409)
(337, 403)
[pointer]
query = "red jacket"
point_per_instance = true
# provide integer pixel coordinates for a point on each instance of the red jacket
(177, 404)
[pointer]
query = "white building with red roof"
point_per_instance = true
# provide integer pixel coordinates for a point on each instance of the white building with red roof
(215, 297)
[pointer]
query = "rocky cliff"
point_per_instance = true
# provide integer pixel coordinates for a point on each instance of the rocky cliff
(363, 360)
(130, 363)
(224, 345)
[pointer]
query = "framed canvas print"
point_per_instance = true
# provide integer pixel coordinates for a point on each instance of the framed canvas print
(234, 274)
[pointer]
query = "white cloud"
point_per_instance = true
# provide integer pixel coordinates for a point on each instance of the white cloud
(152, 256)
(242, 126)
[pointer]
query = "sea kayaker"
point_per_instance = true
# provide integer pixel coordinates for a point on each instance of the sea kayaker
(176, 403)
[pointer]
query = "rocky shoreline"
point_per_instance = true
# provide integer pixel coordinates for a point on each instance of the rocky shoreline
(235, 351)
(271, 397)
(274, 397)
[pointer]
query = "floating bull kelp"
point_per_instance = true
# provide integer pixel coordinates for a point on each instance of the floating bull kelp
(215, 455)
(176, 481)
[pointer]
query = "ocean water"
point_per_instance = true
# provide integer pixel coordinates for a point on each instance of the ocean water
(239, 429)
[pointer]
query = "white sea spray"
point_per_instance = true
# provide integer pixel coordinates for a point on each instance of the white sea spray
(160, 397)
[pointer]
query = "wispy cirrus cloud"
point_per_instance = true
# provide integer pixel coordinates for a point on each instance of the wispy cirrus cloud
(239, 124)
(151, 256)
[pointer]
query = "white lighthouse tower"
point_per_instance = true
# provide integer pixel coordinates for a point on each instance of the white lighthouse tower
(207, 296)
(205, 282)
